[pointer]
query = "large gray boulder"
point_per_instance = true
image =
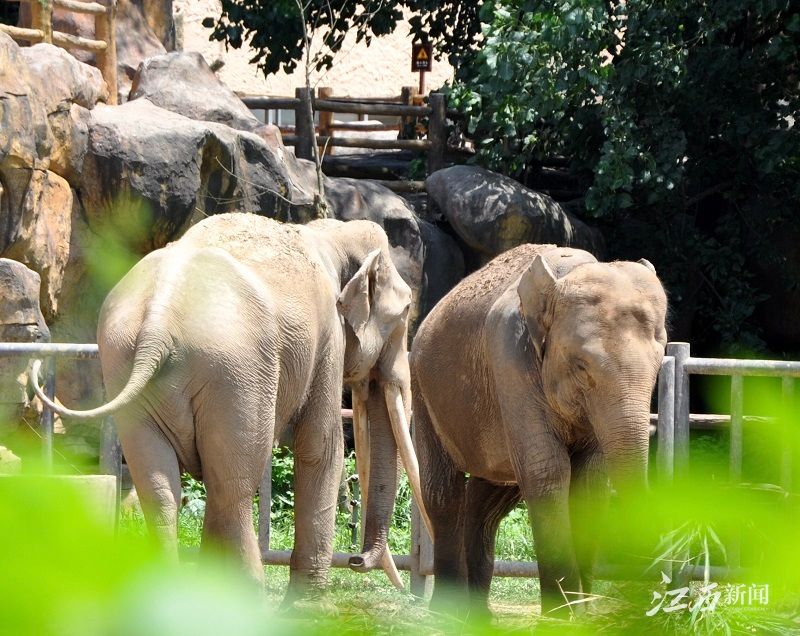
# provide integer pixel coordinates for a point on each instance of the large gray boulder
(21, 320)
(443, 266)
(492, 213)
(179, 169)
(183, 83)
(67, 89)
(45, 97)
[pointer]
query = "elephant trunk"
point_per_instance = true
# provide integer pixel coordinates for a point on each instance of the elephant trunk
(623, 430)
(383, 458)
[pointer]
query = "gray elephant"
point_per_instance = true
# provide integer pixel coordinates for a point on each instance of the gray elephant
(534, 375)
(241, 332)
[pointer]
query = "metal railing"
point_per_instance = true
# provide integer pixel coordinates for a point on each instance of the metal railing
(673, 423)
(104, 45)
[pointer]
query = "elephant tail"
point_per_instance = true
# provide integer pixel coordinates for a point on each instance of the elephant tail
(147, 361)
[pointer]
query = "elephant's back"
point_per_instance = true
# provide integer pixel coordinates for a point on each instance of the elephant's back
(462, 311)
(255, 240)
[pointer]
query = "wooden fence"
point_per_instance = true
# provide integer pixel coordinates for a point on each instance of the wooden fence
(407, 107)
(104, 45)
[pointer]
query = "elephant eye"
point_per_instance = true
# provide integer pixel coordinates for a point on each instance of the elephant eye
(581, 368)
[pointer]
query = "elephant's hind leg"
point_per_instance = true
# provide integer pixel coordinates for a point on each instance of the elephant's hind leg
(443, 490)
(487, 504)
(234, 435)
(156, 475)
(318, 459)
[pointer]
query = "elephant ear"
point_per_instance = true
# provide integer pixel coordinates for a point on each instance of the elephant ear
(647, 264)
(536, 288)
(356, 297)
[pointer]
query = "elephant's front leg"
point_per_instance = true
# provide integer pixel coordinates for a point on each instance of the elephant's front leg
(589, 495)
(545, 488)
(318, 459)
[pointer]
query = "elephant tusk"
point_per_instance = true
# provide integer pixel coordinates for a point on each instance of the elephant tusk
(361, 435)
(388, 564)
(397, 416)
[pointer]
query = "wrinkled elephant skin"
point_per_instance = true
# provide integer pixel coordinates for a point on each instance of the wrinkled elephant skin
(534, 376)
(243, 332)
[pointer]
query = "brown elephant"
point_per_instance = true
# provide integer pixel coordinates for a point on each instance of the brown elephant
(243, 332)
(534, 375)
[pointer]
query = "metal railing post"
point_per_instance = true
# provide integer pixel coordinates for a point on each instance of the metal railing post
(265, 507)
(737, 419)
(787, 421)
(665, 432)
(681, 352)
(111, 455)
(48, 415)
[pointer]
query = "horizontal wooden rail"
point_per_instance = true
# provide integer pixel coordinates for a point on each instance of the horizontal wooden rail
(77, 6)
(65, 40)
(364, 127)
(18, 33)
(361, 108)
(368, 100)
(336, 106)
(270, 103)
(419, 145)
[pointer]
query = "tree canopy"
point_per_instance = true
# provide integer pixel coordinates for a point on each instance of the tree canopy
(679, 116)
(275, 28)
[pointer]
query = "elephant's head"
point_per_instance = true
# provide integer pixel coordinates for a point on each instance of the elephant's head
(599, 333)
(375, 306)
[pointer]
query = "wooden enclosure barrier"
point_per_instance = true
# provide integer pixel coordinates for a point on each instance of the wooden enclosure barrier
(407, 107)
(104, 45)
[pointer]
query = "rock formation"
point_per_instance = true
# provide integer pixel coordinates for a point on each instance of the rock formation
(492, 213)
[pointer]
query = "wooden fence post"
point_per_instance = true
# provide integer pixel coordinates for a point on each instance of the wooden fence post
(304, 124)
(42, 18)
(325, 121)
(437, 134)
(407, 95)
(105, 30)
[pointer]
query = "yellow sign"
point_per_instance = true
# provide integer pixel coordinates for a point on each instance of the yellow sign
(421, 55)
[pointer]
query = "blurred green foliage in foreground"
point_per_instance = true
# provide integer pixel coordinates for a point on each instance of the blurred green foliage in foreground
(63, 572)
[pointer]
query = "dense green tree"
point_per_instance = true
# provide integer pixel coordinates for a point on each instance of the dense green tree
(679, 117)
(275, 28)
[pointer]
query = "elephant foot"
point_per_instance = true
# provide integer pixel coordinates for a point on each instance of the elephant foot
(450, 601)
(309, 608)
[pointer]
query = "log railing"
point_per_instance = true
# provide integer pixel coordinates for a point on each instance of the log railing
(408, 106)
(104, 45)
